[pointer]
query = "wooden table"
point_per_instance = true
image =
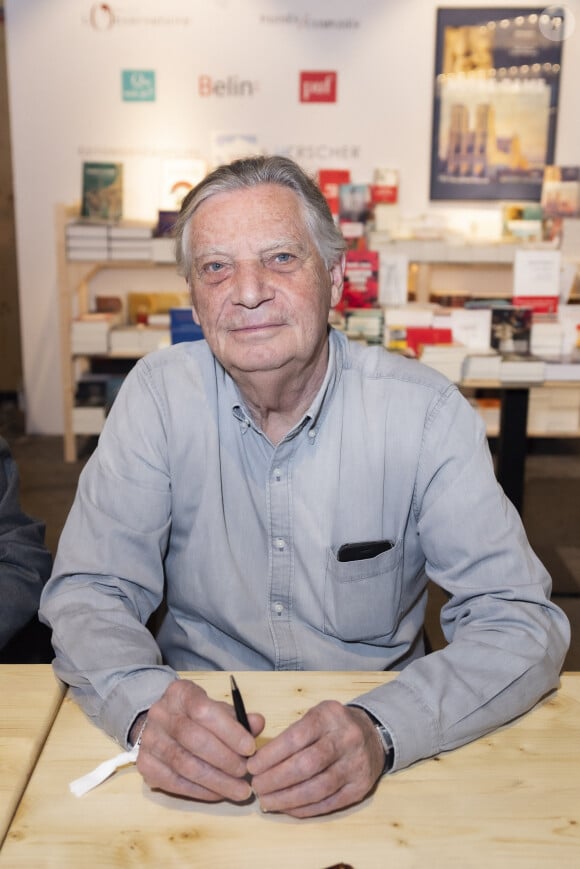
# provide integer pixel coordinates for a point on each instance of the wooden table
(511, 799)
(30, 696)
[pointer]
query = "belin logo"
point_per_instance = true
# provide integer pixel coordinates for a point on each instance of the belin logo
(318, 87)
(232, 86)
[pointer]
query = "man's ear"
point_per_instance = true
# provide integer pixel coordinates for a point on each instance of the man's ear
(337, 280)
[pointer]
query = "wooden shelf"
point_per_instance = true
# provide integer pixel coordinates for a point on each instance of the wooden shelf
(74, 278)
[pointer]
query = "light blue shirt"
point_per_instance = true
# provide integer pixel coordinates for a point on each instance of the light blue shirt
(186, 497)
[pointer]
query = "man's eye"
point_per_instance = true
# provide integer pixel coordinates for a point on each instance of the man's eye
(212, 268)
(282, 261)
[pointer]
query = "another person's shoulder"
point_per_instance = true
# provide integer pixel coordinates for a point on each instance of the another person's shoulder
(7, 463)
(4, 449)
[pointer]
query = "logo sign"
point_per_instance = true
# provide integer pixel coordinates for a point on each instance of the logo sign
(318, 87)
(231, 86)
(101, 16)
(138, 85)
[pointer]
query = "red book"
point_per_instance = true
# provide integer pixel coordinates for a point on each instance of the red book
(329, 181)
(538, 304)
(361, 279)
(420, 335)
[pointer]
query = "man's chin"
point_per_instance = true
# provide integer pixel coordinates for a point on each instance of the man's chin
(256, 361)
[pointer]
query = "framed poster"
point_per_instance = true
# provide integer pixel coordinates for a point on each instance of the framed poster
(497, 76)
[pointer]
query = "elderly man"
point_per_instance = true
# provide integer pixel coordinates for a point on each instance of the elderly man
(289, 494)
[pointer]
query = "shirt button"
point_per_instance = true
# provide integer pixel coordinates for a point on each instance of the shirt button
(279, 543)
(278, 609)
(277, 473)
(312, 434)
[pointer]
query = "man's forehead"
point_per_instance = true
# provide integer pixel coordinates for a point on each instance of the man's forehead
(270, 213)
(275, 196)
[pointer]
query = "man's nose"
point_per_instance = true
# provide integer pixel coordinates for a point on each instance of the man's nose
(251, 284)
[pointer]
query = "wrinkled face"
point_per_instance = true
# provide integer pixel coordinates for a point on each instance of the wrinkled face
(260, 289)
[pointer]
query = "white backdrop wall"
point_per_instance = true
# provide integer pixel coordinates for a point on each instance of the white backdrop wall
(65, 61)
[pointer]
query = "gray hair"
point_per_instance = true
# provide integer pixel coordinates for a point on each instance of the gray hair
(250, 172)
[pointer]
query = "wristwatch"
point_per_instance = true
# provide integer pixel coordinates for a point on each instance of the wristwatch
(386, 741)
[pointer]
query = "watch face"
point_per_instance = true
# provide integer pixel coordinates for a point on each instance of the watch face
(386, 741)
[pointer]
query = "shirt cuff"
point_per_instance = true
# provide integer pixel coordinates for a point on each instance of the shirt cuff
(133, 694)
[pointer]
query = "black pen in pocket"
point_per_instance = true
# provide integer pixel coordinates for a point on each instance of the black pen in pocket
(239, 705)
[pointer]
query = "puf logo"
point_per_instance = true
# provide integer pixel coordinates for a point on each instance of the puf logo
(138, 85)
(318, 87)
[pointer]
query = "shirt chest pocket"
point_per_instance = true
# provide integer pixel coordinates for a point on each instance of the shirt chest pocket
(362, 598)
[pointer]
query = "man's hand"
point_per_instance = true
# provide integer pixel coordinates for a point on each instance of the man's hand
(329, 759)
(193, 746)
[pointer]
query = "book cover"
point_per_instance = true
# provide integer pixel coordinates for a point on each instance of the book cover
(329, 180)
(361, 279)
(385, 186)
(102, 191)
(511, 329)
(354, 203)
(417, 337)
(561, 191)
(178, 177)
(165, 223)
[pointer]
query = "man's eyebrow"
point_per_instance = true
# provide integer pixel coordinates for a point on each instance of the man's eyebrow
(209, 251)
(271, 247)
(277, 245)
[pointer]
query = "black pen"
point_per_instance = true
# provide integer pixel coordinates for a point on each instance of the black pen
(239, 705)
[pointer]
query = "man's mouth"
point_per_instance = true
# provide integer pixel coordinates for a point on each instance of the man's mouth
(249, 328)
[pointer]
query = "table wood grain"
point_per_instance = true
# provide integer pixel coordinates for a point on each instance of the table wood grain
(511, 798)
(29, 699)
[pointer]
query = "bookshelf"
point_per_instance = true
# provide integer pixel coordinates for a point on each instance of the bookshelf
(440, 270)
(74, 281)
(74, 294)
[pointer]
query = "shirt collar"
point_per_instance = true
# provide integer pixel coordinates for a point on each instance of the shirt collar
(313, 417)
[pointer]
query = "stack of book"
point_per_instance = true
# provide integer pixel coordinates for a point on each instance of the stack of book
(563, 368)
(521, 368)
(91, 241)
(138, 340)
(90, 333)
(546, 338)
(130, 240)
(87, 241)
(364, 324)
(484, 365)
(448, 359)
(554, 411)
